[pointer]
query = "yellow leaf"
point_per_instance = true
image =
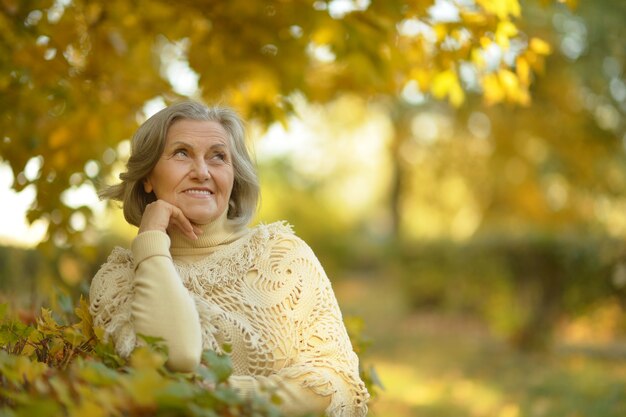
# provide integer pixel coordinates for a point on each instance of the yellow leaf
(100, 334)
(88, 408)
(45, 322)
(86, 321)
(539, 46)
(505, 31)
(29, 370)
(510, 83)
(473, 18)
(441, 83)
(260, 88)
(501, 8)
(457, 96)
(144, 386)
(144, 358)
(327, 34)
(523, 70)
(515, 93)
(514, 8)
(441, 31)
(71, 335)
(485, 42)
(446, 84)
(478, 59)
(421, 76)
(492, 91)
(27, 350)
(56, 346)
(523, 97)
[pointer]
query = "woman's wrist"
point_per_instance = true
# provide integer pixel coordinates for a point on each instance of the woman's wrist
(150, 243)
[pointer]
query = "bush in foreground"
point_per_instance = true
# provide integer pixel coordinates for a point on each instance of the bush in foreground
(52, 369)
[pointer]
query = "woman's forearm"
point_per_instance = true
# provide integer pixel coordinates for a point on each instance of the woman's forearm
(162, 306)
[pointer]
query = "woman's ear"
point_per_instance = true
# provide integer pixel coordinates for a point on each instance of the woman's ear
(147, 186)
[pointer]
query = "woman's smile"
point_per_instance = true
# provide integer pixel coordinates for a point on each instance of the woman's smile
(201, 193)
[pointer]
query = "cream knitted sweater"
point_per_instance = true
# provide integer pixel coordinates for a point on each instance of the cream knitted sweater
(262, 291)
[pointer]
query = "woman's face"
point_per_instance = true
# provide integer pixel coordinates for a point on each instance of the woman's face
(195, 172)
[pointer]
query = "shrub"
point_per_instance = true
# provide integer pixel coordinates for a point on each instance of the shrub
(52, 369)
(520, 285)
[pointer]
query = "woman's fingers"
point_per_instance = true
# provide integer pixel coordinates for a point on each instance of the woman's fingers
(161, 215)
(183, 223)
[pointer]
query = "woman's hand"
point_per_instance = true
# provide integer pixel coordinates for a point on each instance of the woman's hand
(161, 215)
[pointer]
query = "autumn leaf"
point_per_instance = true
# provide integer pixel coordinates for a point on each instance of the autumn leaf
(144, 386)
(501, 8)
(523, 70)
(146, 358)
(505, 31)
(446, 84)
(86, 320)
(45, 323)
(492, 90)
(540, 46)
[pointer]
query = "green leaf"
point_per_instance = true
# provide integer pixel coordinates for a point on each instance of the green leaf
(146, 358)
(61, 389)
(40, 408)
(198, 411)
(74, 337)
(95, 373)
(108, 355)
(14, 331)
(156, 343)
(144, 386)
(220, 365)
(207, 374)
(177, 394)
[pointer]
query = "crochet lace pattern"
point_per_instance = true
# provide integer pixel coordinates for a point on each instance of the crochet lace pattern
(265, 295)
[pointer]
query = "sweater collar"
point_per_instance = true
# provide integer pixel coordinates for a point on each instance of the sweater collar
(220, 231)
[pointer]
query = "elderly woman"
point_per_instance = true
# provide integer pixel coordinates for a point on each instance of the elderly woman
(199, 278)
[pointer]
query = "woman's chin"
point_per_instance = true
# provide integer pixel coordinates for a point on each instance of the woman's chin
(201, 218)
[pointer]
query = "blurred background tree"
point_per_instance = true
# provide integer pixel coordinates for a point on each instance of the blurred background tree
(76, 75)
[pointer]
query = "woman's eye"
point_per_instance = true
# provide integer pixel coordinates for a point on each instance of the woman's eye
(221, 156)
(180, 153)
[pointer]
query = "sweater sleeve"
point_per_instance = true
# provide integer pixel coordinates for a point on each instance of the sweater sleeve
(324, 374)
(162, 306)
(145, 295)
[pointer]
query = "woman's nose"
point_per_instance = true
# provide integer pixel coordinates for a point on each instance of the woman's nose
(200, 170)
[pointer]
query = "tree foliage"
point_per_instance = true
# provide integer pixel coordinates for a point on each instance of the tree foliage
(557, 165)
(75, 74)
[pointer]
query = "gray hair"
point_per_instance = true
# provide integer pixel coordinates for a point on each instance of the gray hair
(148, 144)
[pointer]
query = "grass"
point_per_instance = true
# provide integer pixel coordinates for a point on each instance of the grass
(442, 365)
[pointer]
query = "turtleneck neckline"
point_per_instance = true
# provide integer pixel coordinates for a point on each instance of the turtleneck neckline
(220, 231)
